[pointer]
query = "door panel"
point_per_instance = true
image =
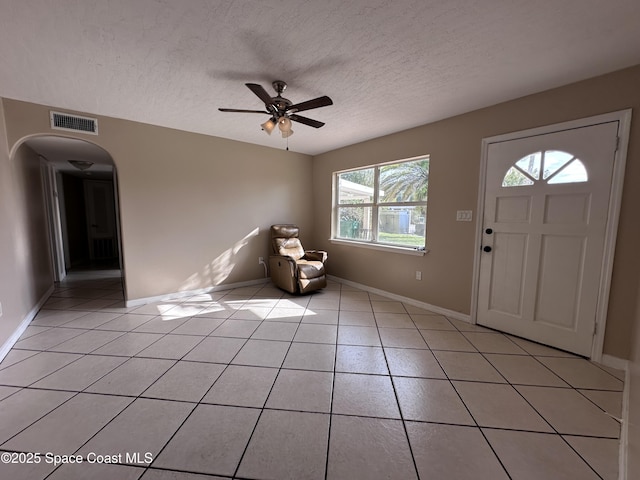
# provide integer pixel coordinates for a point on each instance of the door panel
(507, 273)
(561, 265)
(512, 209)
(568, 208)
(546, 205)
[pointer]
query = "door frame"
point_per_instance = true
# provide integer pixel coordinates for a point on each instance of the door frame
(615, 200)
(54, 224)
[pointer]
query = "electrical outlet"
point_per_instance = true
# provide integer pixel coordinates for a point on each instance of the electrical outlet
(260, 260)
(418, 275)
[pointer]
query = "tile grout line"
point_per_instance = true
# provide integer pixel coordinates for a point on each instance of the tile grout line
(504, 468)
(255, 426)
(555, 431)
(460, 396)
(133, 399)
(195, 405)
(226, 365)
(333, 389)
(577, 388)
(138, 397)
(395, 393)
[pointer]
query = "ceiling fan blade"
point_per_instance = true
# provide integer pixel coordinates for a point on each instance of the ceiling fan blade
(306, 121)
(235, 110)
(310, 104)
(260, 92)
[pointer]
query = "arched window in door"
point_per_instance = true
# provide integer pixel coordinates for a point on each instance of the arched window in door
(549, 166)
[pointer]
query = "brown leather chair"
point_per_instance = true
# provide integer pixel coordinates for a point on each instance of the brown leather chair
(292, 268)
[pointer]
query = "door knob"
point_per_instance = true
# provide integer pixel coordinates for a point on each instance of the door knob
(489, 231)
(487, 248)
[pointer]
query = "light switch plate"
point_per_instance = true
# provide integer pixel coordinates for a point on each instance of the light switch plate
(464, 216)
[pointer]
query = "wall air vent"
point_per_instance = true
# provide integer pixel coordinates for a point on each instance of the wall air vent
(75, 123)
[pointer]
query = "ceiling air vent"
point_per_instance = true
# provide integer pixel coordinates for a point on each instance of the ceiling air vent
(75, 123)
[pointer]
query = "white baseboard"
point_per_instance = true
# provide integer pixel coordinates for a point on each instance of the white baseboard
(411, 301)
(136, 302)
(615, 362)
(11, 341)
(621, 364)
(623, 457)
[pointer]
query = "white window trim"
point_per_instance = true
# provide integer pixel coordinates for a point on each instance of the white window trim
(380, 246)
(375, 205)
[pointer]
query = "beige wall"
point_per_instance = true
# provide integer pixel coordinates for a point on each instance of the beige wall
(454, 146)
(25, 266)
(195, 210)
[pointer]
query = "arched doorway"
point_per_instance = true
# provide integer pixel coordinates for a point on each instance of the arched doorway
(81, 203)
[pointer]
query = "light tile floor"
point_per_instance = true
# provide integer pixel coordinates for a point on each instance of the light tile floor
(254, 383)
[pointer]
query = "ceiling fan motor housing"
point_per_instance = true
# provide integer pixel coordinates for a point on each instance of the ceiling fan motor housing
(278, 101)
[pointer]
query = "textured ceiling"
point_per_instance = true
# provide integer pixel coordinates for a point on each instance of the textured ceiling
(388, 66)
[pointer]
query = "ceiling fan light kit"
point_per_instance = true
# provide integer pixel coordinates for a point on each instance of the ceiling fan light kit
(268, 126)
(281, 109)
(284, 124)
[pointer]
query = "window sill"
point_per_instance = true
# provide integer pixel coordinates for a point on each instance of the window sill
(377, 246)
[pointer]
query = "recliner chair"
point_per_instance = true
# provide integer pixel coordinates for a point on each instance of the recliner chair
(292, 268)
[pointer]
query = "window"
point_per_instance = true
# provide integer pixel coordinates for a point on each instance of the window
(556, 167)
(384, 204)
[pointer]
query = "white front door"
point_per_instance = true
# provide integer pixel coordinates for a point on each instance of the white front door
(545, 216)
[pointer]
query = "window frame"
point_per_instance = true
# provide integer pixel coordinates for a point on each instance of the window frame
(540, 177)
(376, 205)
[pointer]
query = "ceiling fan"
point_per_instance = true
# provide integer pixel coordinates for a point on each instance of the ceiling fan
(282, 110)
